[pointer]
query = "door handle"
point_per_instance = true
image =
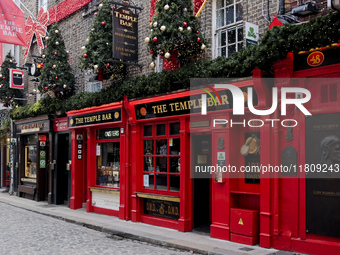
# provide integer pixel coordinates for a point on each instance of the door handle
(68, 166)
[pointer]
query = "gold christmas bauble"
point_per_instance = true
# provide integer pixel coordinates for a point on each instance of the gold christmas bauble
(163, 28)
(95, 67)
(65, 86)
(83, 47)
(155, 24)
(203, 46)
(152, 65)
(166, 7)
(167, 55)
(46, 38)
(57, 43)
(56, 31)
(180, 29)
(147, 39)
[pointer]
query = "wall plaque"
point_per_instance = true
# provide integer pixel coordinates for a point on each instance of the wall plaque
(323, 189)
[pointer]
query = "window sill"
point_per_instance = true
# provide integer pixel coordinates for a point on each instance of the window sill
(104, 190)
(158, 197)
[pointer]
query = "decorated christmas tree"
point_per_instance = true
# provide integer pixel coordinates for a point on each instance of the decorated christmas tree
(56, 75)
(8, 95)
(175, 32)
(97, 52)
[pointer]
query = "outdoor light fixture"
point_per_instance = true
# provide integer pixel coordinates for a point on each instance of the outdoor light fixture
(336, 5)
(306, 9)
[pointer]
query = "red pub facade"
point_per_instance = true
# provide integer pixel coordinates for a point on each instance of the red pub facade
(136, 159)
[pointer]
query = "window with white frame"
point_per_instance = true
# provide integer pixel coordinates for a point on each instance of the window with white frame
(94, 86)
(43, 4)
(229, 27)
(158, 64)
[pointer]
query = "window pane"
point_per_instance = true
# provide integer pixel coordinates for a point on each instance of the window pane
(148, 181)
(161, 129)
(223, 52)
(161, 182)
(148, 130)
(108, 165)
(239, 12)
(175, 128)
(231, 49)
(161, 164)
(220, 18)
(174, 163)
(228, 2)
(162, 148)
(174, 182)
(223, 38)
(240, 46)
(220, 4)
(175, 146)
(148, 147)
(31, 161)
(230, 15)
(148, 164)
(231, 35)
(240, 34)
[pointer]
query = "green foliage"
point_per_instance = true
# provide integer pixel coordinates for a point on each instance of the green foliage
(56, 75)
(98, 48)
(7, 94)
(275, 45)
(186, 38)
(4, 130)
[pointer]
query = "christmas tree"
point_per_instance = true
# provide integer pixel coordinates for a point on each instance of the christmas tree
(8, 95)
(97, 52)
(175, 30)
(56, 75)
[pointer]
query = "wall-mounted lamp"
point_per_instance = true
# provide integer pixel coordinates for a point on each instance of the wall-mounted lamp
(306, 9)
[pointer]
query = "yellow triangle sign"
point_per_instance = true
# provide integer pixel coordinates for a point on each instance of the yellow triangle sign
(240, 222)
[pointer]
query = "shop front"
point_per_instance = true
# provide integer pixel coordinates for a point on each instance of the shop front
(169, 138)
(34, 148)
(98, 165)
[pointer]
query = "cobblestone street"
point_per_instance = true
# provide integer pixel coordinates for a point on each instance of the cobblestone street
(25, 232)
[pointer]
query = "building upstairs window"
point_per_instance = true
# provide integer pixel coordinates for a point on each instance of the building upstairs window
(229, 27)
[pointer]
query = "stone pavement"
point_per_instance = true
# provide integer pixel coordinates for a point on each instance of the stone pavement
(188, 241)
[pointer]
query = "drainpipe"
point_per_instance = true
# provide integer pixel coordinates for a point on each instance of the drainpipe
(282, 7)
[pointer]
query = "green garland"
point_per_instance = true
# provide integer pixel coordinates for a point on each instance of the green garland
(275, 45)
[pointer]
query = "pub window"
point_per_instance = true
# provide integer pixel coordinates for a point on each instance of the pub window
(108, 164)
(161, 156)
(31, 156)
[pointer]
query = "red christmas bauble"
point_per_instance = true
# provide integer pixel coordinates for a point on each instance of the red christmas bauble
(198, 39)
(185, 24)
(85, 55)
(4, 78)
(107, 64)
(95, 13)
(46, 88)
(198, 31)
(9, 97)
(103, 23)
(46, 47)
(55, 53)
(111, 7)
(155, 39)
(56, 77)
(151, 51)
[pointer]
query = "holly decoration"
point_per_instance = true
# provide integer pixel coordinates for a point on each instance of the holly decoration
(6, 93)
(97, 52)
(56, 56)
(185, 42)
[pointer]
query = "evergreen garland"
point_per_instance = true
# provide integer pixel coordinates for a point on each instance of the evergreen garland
(274, 45)
(7, 94)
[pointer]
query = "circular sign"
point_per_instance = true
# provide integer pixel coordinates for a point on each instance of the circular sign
(42, 153)
(71, 122)
(316, 58)
(143, 111)
(116, 115)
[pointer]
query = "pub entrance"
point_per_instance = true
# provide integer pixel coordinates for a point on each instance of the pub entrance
(62, 173)
(201, 151)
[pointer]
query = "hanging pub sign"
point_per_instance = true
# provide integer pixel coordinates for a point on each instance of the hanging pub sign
(16, 79)
(125, 35)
